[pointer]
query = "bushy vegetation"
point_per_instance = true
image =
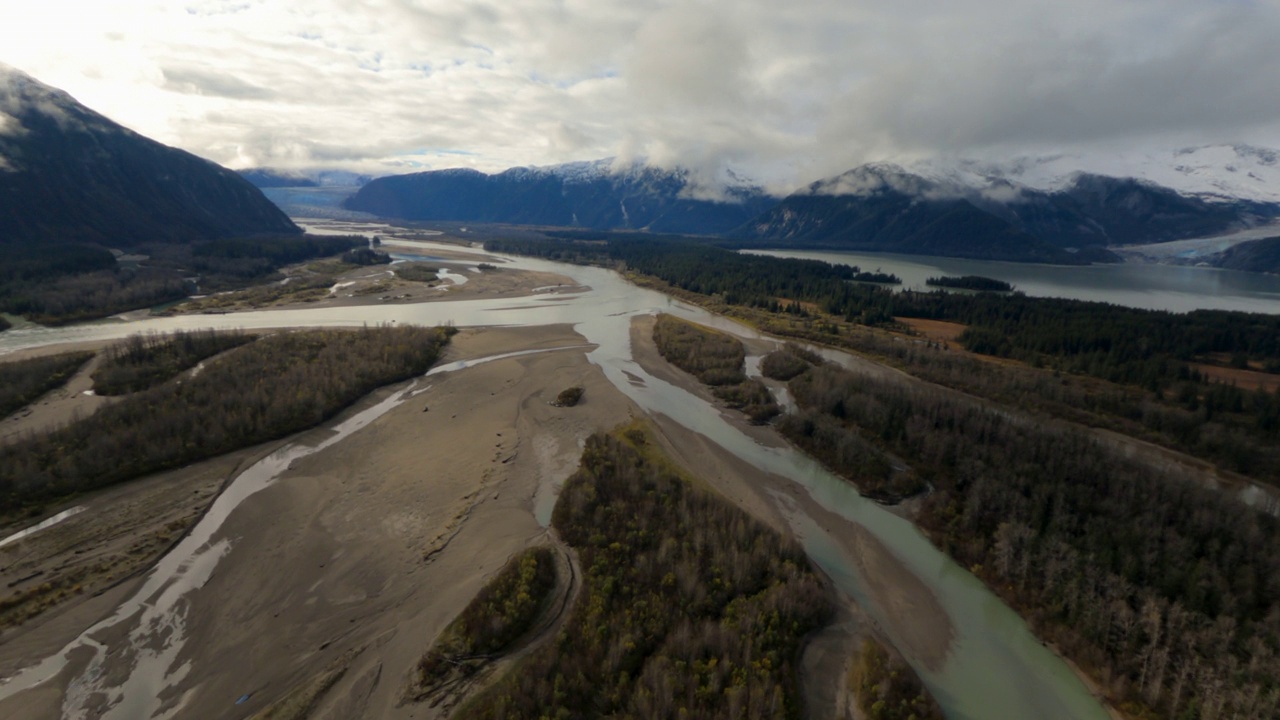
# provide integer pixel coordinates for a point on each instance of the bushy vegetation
(886, 688)
(840, 447)
(788, 362)
(299, 289)
(716, 359)
(569, 396)
(689, 608)
(416, 272)
(751, 397)
(970, 282)
(143, 361)
(505, 609)
(267, 389)
(1167, 591)
(23, 381)
(365, 256)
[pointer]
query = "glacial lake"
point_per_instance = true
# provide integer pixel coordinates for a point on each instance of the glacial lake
(1177, 288)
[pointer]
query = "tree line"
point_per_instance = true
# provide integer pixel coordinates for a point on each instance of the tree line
(59, 284)
(22, 382)
(717, 360)
(264, 390)
(1148, 350)
(1169, 592)
(145, 360)
(504, 610)
(969, 282)
(689, 607)
(886, 688)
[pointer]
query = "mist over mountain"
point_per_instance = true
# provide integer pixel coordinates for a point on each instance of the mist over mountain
(957, 209)
(263, 178)
(68, 174)
(883, 208)
(968, 210)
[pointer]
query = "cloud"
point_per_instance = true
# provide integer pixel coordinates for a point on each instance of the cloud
(784, 92)
(21, 96)
(10, 125)
(199, 82)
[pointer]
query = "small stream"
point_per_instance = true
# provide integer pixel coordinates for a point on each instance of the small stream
(996, 667)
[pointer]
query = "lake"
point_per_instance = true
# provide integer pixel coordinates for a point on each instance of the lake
(1177, 288)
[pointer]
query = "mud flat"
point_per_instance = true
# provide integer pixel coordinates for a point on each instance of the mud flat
(362, 552)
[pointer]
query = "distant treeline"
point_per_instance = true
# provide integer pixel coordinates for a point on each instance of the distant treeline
(24, 381)
(58, 284)
(718, 360)
(39, 261)
(1114, 342)
(689, 607)
(267, 389)
(1148, 349)
(1168, 591)
(92, 295)
(143, 361)
(970, 282)
(701, 268)
(248, 258)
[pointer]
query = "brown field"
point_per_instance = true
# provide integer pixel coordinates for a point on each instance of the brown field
(1243, 379)
(939, 330)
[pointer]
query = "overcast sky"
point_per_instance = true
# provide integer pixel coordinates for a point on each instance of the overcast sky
(785, 90)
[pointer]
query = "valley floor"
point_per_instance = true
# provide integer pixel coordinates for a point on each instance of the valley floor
(359, 555)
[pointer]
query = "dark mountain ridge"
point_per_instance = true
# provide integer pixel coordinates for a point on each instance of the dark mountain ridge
(881, 207)
(587, 195)
(875, 207)
(68, 174)
(1251, 256)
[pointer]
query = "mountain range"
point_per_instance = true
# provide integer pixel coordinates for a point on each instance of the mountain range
(68, 174)
(601, 195)
(961, 209)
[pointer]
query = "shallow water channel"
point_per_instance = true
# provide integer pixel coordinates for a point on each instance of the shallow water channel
(995, 667)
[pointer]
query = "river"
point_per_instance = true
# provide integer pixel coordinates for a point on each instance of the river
(1179, 288)
(995, 668)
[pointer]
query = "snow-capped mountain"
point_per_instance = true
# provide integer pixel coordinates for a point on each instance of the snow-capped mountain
(1224, 173)
(1050, 209)
(970, 210)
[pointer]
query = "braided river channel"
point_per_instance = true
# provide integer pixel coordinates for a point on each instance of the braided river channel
(994, 666)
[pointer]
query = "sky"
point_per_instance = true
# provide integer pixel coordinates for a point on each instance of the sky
(780, 91)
